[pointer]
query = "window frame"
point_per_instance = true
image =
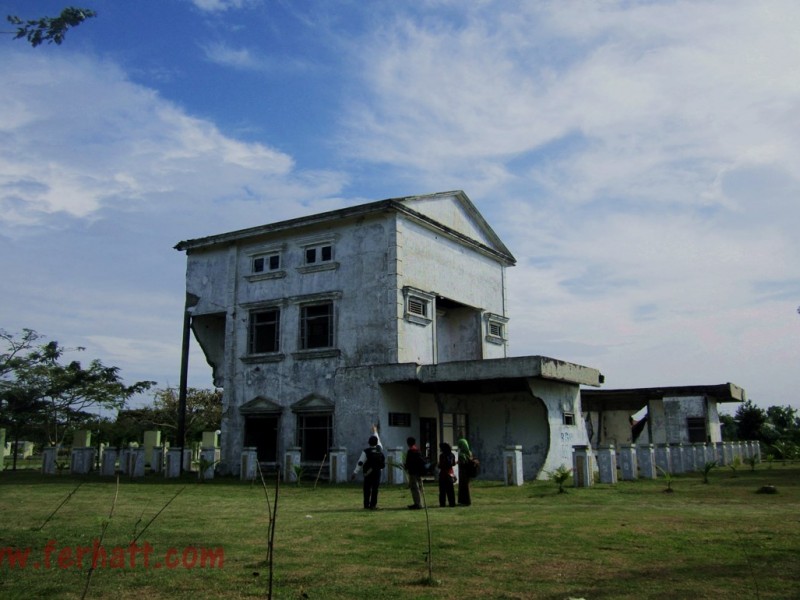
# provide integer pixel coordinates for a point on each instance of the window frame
(496, 331)
(252, 333)
(412, 298)
(304, 333)
(266, 254)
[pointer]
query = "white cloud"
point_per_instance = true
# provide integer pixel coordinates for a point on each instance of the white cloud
(213, 6)
(638, 159)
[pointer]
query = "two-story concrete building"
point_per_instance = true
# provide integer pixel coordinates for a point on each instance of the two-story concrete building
(392, 312)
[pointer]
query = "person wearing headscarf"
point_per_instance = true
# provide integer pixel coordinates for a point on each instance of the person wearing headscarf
(464, 457)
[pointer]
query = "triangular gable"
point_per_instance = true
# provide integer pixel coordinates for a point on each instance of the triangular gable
(260, 405)
(457, 212)
(312, 403)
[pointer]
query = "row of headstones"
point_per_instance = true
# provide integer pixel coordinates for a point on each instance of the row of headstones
(339, 472)
(646, 460)
(132, 461)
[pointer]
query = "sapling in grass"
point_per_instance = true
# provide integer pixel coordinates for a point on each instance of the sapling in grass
(735, 464)
(429, 580)
(667, 480)
(559, 476)
(707, 468)
(298, 473)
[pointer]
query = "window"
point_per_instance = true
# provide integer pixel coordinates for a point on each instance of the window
(399, 419)
(495, 328)
(265, 331)
(418, 306)
(266, 263)
(454, 426)
(319, 254)
(569, 418)
(696, 427)
(316, 326)
(314, 435)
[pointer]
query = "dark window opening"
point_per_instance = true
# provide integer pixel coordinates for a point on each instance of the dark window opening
(314, 436)
(399, 419)
(262, 434)
(697, 429)
(265, 331)
(316, 326)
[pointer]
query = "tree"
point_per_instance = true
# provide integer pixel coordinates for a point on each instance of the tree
(203, 411)
(50, 29)
(36, 389)
(749, 419)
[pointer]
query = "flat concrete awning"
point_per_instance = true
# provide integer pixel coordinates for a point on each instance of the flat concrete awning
(487, 376)
(635, 399)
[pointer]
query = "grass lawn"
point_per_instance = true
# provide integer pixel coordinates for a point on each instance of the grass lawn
(632, 540)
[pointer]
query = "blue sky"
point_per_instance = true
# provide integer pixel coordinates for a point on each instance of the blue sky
(638, 158)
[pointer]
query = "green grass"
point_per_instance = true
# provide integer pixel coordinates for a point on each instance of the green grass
(720, 540)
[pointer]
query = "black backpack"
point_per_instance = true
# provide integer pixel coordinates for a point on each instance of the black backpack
(416, 462)
(375, 459)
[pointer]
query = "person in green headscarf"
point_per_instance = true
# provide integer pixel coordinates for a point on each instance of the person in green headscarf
(464, 457)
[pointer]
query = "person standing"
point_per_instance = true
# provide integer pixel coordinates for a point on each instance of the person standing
(464, 467)
(371, 464)
(415, 469)
(446, 475)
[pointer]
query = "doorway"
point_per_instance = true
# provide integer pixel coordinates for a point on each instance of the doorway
(261, 432)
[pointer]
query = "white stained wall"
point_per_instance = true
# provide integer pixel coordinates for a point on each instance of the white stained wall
(469, 286)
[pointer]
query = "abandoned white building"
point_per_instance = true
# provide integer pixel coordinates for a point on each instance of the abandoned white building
(673, 415)
(391, 312)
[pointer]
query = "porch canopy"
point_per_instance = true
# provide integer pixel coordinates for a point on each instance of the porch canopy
(634, 399)
(487, 375)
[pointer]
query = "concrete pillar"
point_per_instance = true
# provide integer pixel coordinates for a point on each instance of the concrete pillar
(157, 455)
(82, 438)
(392, 474)
(210, 439)
(172, 466)
(188, 460)
(135, 460)
(747, 448)
(512, 458)
(739, 450)
(676, 458)
(123, 460)
(719, 452)
(108, 463)
(756, 446)
(290, 459)
(81, 461)
(688, 458)
(208, 460)
(607, 463)
(152, 439)
(645, 456)
(2, 447)
(49, 456)
(339, 472)
(582, 469)
(699, 455)
(249, 464)
(711, 452)
(627, 462)
(663, 461)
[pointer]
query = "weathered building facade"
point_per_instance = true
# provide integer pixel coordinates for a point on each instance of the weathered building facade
(669, 415)
(392, 312)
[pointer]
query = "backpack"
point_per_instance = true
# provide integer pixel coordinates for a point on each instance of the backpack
(375, 459)
(416, 463)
